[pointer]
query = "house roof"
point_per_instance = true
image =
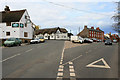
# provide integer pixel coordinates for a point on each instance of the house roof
(94, 30)
(11, 16)
(50, 30)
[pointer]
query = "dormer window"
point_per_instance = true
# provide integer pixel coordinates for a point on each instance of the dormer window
(15, 25)
(21, 25)
(25, 17)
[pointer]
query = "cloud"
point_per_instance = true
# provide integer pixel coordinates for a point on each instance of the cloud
(61, 0)
(49, 15)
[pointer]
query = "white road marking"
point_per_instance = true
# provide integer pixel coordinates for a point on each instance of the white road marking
(99, 66)
(14, 56)
(72, 60)
(29, 50)
(10, 57)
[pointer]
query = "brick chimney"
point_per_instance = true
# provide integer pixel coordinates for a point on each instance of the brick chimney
(110, 33)
(97, 28)
(7, 8)
(92, 27)
(85, 27)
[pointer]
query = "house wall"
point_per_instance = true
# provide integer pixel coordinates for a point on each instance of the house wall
(17, 32)
(53, 36)
(14, 32)
(27, 29)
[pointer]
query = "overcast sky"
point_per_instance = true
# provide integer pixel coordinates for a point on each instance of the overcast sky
(47, 15)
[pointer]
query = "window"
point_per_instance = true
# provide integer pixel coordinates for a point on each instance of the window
(25, 34)
(25, 24)
(8, 23)
(15, 25)
(46, 36)
(7, 33)
(57, 36)
(21, 25)
(25, 17)
(64, 36)
(51, 36)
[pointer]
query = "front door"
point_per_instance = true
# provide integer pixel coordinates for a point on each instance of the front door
(48, 37)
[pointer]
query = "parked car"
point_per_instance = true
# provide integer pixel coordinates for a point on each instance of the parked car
(77, 39)
(42, 39)
(13, 42)
(108, 42)
(36, 40)
(115, 41)
(94, 40)
(87, 40)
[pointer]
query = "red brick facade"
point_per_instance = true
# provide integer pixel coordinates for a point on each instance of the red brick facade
(92, 33)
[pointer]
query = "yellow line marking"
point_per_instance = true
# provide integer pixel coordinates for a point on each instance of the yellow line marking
(60, 69)
(72, 74)
(71, 70)
(71, 67)
(99, 66)
(60, 74)
(70, 62)
(61, 66)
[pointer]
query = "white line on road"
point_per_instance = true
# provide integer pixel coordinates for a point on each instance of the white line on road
(14, 56)
(72, 60)
(29, 50)
(10, 57)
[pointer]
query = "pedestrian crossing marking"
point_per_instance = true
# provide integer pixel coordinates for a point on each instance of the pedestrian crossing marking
(99, 66)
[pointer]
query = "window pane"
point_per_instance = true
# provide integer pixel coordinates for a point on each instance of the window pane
(7, 33)
(21, 25)
(15, 25)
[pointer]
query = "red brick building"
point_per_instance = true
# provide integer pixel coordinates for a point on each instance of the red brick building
(92, 33)
(114, 36)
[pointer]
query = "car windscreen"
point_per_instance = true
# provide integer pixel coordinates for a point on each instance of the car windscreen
(109, 40)
(11, 39)
(41, 37)
(36, 39)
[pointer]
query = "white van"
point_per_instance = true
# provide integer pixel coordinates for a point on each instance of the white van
(77, 39)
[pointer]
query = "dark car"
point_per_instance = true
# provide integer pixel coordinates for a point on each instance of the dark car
(94, 39)
(108, 42)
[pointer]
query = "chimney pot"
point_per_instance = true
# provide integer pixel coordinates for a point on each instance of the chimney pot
(7, 8)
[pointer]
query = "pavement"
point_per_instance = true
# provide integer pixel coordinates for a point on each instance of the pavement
(53, 59)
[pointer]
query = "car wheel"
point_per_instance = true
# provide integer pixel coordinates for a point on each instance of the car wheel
(20, 44)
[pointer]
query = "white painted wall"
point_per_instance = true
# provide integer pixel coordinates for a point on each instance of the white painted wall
(16, 32)
(63, 36)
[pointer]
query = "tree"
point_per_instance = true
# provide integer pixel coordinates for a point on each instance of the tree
(116, 18)
(37, 27)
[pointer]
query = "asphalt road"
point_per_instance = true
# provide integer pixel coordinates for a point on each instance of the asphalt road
(44, 61)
